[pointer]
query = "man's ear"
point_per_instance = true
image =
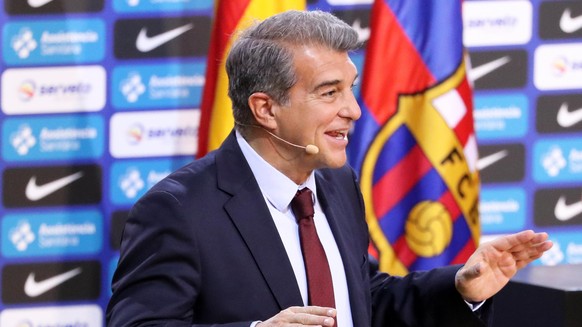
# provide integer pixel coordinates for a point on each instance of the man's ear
(261, 105)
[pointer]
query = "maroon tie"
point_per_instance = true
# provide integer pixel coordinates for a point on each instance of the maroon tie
(319, 284)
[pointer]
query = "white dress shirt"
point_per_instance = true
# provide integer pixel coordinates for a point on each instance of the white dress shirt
(278, 191)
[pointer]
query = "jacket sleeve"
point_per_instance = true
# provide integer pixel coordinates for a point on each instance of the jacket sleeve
(157, 279)
(426, 298)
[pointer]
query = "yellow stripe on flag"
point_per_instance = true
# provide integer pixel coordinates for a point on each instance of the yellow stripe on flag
(221, 121)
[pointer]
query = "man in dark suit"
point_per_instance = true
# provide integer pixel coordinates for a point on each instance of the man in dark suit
(216, 243)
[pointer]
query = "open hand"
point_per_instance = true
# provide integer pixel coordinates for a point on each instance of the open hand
(302, 316)
(493, 264)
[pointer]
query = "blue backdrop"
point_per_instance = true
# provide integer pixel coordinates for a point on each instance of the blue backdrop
(99, 101)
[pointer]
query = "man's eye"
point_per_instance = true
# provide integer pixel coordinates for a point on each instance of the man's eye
(329, 93)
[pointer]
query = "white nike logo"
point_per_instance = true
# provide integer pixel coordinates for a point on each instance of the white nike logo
(569, 24)
(476, 73)
(145, 43)
(36, 192)
(38, 3)
(363, 33)
(33, 288)
(565, 212)
(568, 118)
(485, 162)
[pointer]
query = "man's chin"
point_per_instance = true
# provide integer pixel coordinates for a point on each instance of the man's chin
(334, 162)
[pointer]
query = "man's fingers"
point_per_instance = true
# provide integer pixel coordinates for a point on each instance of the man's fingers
(532, 252)
(302, 316)
(315, 310)
(311, 320)
(519, 241)
(540, 237)
(313, 315)
(536, 240)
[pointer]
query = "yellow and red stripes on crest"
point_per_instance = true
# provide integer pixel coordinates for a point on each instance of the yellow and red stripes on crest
(230, 16)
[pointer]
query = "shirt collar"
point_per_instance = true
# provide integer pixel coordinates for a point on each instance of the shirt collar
(277, 188)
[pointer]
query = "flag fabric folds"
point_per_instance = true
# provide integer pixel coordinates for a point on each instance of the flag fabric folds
(216, 119)
(415, 146)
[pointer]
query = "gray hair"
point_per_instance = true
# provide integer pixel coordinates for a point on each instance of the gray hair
(261, 59)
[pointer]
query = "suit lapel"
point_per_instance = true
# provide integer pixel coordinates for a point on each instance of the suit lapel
(332, 206)
(249, 213)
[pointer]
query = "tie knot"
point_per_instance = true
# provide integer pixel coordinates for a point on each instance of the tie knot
(302, 204)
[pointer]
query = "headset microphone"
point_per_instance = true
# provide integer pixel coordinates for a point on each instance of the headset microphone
(309, 148)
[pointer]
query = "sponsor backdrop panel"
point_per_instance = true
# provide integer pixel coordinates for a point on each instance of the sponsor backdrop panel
(526, 69)
(100, 100)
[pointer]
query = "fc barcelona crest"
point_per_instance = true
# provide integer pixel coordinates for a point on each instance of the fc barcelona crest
(419, 180)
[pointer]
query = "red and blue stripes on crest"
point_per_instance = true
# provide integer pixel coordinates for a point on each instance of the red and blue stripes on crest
(404, 177)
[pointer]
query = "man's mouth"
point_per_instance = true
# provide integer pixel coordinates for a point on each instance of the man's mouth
(338, 135)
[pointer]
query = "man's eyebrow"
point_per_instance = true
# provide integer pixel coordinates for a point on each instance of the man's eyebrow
(326, 83)
(331, 83)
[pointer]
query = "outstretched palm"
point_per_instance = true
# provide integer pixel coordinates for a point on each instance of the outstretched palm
(493, 264)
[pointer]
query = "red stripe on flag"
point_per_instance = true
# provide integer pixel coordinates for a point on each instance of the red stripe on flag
(451, 205)
(226, 18)
(465, 92)
(464, 253)
(383, 80)
(403, 252)
(405, 174)
(465, 127)
(373, 251)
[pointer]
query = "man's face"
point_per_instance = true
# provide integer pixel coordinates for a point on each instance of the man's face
(321, 107)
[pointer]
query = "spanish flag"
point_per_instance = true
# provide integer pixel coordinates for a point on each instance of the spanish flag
(230, 16)
(415, 146)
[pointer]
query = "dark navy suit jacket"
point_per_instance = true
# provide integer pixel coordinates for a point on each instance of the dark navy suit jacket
(200, 248)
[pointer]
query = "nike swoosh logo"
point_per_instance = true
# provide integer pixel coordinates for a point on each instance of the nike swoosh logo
(485, 162)
(36, 192)
(145, 43)
(32, 288)
(476, 73)
(38, 3)
(363, 33)
(568, 118)
(569, 24)
(565, 212)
